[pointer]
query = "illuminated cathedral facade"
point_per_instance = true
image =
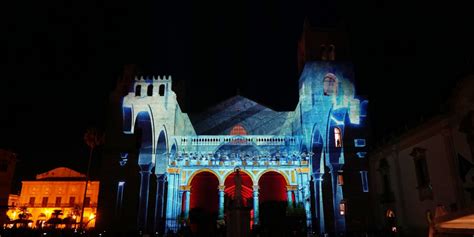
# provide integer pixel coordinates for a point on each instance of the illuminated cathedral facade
(167, 166)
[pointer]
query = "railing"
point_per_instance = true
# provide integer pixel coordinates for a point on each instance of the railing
(246, 139)
(93, 205)
(237, 162)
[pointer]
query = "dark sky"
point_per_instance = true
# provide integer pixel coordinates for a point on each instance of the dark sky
(63, 58)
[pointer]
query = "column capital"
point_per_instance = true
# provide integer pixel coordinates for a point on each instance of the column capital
(302, 170)
(221, 187)
(173, 170)
(185, 188)
(255, 188)
(146, 167)
(292, 187)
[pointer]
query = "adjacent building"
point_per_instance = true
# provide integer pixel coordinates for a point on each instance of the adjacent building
(7, 168)
(424, 178)
(58, 190)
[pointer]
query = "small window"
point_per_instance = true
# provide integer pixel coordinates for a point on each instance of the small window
(161, 90)
(238, 130)
(149, 90)
(390, 214)
(323, 52)
(72, 200)
(44, 202)
(359, 142)
(421, 167)
(138, 90)
(342, 208)
(364, 181)
(337, 137)
(58, 201)
(340, 178)
(87, 201)
(330, 84)
(332, 53)
(32, 201)
(3, 165)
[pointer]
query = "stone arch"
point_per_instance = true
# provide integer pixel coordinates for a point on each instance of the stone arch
(287, 180)
(144, 126)
(161, 152)
(317, 147)
(190, 179)
(224, 177)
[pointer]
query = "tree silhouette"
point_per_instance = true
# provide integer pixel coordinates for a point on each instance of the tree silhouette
(92, 138)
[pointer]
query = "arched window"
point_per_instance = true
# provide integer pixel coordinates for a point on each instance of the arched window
(330, 84)
(161, 90)
(337, 137)
(238, 130)
(332, 53)
(138, 90)
(149, 91)
(323, 52)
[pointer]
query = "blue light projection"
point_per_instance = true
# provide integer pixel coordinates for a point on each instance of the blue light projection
(299, 145)
(361, 154)
(365, 182)
(359, 142)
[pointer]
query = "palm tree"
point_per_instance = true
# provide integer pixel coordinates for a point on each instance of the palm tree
(92, 138)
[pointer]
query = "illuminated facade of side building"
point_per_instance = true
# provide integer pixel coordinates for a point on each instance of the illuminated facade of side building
(58, 189)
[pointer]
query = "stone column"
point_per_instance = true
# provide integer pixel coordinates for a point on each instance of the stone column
(289, 198)
(221, 202)
(339, 220)
(143, 196)
(180, 204)
(318, 200)
(171, 200)
(160, 190)
(289, 192)
(187, 201)
(255, 205)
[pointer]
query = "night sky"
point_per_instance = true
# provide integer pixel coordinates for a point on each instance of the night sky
(63, 58)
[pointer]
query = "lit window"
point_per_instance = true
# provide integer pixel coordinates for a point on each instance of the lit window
(390, 214)
(337, 137)
(330, 84)
(342, 208)
(238, 130)
(149, 91)
(138, 90)
(340, 178)
(364, 180)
